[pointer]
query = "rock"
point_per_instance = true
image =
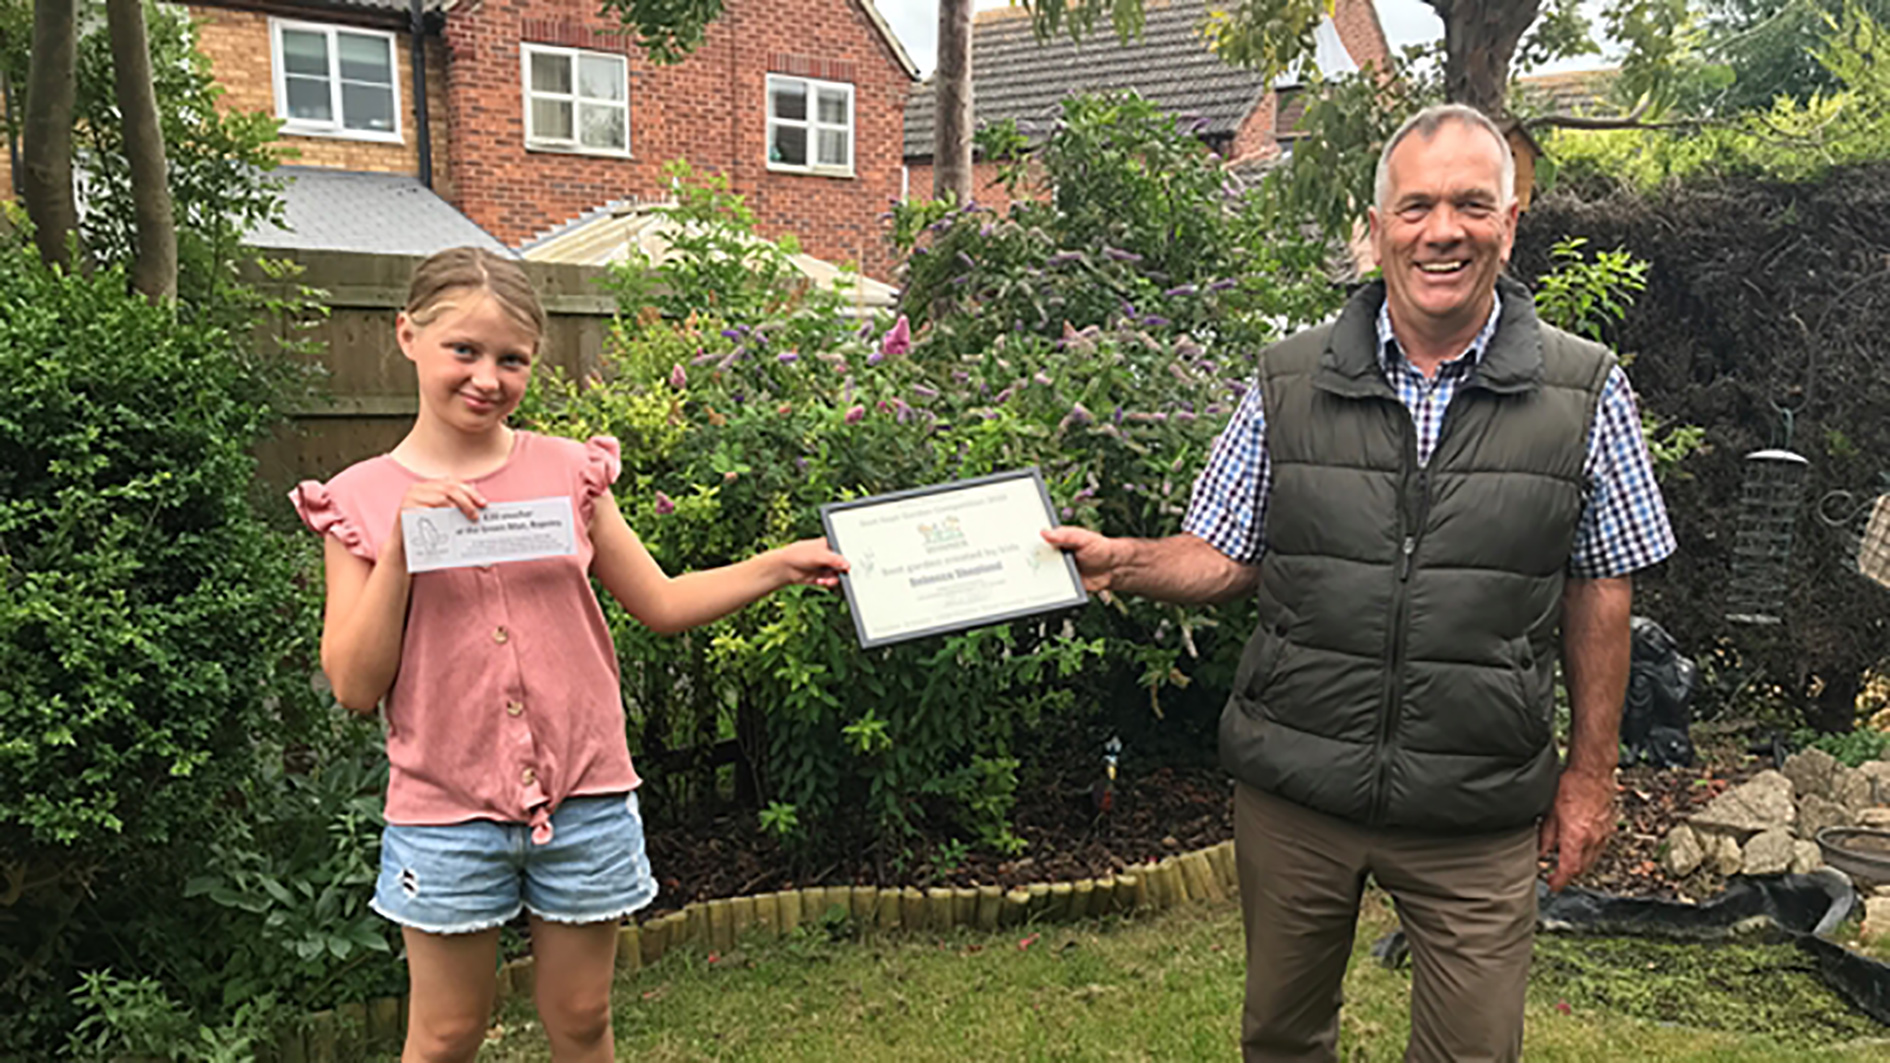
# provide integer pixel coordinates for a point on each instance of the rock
(1722, 853)
(1810, 772)
(1816, 813)
(1874, 818)
(1768, 853)
(1876, 917)
(1763, 803)
(1682, 852)
(1878, 772)
(1852, 789)
(1806, 857)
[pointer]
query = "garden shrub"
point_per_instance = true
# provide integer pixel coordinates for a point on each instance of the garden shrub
(1103, 339)
(1762, 325)
(155, 642)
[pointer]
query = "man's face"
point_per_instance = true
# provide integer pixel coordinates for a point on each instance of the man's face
(1445, 229)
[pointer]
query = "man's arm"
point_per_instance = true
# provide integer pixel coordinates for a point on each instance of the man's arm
(1596, 648)
(1182, 569)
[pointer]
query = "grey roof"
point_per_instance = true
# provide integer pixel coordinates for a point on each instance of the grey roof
(378, 213)
(1013, 75)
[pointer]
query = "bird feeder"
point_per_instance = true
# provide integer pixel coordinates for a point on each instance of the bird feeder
(1762, 542)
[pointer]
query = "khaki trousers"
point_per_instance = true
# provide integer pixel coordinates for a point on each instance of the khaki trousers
(1469, 911)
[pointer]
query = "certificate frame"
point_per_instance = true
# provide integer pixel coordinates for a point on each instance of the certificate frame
(1061, 594)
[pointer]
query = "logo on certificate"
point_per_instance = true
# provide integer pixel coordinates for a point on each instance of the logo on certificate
(428, 541)
(946, 534)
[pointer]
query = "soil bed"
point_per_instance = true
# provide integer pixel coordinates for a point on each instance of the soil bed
(1155, 814)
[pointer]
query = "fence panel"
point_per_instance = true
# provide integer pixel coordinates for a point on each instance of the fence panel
(369, 402)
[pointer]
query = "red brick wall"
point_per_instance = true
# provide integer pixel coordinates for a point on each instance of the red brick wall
(238, 46)
(1255, 137)
(986, 191)
(1361, 32)
(710, 109)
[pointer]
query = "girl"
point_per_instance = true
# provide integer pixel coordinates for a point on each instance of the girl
(510, 784)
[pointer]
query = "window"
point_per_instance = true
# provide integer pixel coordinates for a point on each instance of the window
(576, 101)
(810, 125)
(336, 82)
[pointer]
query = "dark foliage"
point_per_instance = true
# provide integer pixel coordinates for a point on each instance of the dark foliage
(1763, 297)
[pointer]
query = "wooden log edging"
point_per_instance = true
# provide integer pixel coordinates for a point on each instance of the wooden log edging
(719, 925)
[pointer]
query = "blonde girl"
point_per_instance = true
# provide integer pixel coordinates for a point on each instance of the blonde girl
(510, 785)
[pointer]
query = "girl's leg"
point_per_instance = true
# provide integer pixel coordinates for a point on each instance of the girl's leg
(573, 966)
(450, 980)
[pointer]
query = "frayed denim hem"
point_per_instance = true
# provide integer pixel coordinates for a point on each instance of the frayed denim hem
(601, 917)
(461, 928)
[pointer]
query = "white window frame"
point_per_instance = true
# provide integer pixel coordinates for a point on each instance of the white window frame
(575, 145)
(813, 126)
(336, 127)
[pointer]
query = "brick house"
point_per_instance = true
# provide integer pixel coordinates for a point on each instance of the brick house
(1245, 116)
(539, 111)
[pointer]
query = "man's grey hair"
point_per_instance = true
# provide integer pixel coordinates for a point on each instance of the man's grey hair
(1425, 123)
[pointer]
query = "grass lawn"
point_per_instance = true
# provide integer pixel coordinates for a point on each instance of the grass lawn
(1168, 988)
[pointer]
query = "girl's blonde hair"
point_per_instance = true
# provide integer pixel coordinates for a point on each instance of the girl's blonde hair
(473, 269)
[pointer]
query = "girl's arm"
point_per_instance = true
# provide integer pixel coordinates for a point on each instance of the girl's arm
(667, 604)
(365, 615)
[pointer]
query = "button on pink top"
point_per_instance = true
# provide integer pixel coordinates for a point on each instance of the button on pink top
(508, 699)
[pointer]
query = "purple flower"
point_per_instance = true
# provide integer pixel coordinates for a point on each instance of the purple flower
(664, 507)
(677, 378)
(960, 376)
(855, 414)
(1084, 495)
(1063, 258)
(732, 333)
(1120, 255)
(1155, 321)
(704, 359)
(875, 358)
(898, 339)
(788, 357)
(1042, 378)
(1185, 289)
(986, 230)
(966, 261)
(1223, 284)
(924, 392)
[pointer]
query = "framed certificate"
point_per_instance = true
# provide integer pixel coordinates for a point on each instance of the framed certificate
(950, 557)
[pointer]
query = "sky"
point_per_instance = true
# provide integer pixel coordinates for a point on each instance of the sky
(1405, 22)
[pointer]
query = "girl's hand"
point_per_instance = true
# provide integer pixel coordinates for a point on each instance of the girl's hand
(436, 494)
(808, 561)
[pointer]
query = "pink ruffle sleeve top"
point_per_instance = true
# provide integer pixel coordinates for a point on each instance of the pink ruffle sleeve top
(508, 699)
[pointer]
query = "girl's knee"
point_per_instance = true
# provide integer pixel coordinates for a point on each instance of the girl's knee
(579, 1019)
(444, 1039)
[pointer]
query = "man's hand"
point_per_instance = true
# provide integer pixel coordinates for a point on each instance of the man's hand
(1097, 556)
(1578, 825)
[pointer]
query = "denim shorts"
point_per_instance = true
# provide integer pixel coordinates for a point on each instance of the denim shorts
(463, 877)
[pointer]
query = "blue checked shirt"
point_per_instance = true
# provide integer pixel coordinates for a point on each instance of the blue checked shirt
(1623, 525)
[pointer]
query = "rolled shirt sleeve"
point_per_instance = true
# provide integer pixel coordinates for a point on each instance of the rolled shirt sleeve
(1624, 524)
(1229, 507)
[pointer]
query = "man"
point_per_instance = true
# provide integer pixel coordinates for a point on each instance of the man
(1418, 494)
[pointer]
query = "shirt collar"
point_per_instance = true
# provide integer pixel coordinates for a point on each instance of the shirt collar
(1390, 355)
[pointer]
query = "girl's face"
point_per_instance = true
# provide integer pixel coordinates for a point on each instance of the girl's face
(473, 361)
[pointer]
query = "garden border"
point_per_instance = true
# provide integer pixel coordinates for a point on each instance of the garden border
(716, 926)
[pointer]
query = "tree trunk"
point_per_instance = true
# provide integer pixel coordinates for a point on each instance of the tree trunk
(51, 85)
(951, 145)
(154, 274)
(1480, 38)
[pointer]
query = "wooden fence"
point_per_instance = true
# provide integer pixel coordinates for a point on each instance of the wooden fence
(369, 398)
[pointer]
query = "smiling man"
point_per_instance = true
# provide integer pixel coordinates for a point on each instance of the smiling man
(1424, 496)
